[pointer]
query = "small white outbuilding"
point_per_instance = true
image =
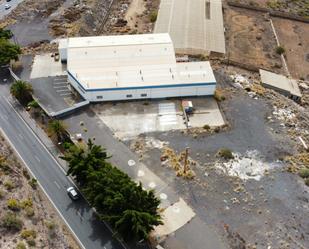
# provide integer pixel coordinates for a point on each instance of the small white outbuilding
(108, 68)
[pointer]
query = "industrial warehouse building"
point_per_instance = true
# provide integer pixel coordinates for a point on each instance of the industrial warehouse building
(195, 26)
(108, 68)
(281, 84)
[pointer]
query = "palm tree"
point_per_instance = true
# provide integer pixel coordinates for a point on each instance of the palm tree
(57, 129)
(22, 91)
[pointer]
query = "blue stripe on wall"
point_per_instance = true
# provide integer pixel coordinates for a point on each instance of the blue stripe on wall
(141, 87)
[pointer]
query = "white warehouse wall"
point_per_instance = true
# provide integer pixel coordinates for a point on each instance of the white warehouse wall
(144, 93)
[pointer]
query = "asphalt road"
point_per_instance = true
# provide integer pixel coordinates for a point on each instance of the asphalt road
(12, 3)
(80, 218)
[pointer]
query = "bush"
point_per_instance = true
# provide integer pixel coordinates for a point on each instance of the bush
(13, 204)
(26, 203)
(153, 16)
(225, 153)
(9, 185)
(280, 50)
(33, 183)
(307, 182)
(11, 222)
(31, 242)
(206, 127)
(26, 174)
(29, 211)
(28, 234)
(304, 173)
(1, 193)
(21, 245)
(51, 225)
(219, 95)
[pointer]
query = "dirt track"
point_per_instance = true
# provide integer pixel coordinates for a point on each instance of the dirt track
(250, 39)
(294, 37)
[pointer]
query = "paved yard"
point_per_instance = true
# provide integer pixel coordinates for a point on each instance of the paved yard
(52, 93)
(156, 115)
(44, 66)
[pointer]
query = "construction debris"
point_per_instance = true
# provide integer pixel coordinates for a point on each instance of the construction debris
(180, 163)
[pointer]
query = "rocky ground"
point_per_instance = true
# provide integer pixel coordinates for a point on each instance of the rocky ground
(27, 218)
(251, 199)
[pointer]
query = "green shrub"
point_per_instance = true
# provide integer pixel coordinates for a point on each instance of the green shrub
(29, 211)
(11, 222)
(206, 127)
(26, 203)
(225, 153)
(1, 193)
(304, 173)
(13, 204)
(21, 245)
(51, 225)
(280, 50)
(153, 16)
(33, 183)
(219, 95)
(9, 185)
(28, 234)
(26, 174)
(31, 242)
(307, 182)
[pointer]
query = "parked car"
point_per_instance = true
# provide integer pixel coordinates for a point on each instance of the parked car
(72, 193)
(8, 0)
(7, 6)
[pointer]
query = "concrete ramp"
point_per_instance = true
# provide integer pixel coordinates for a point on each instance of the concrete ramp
(174, 217)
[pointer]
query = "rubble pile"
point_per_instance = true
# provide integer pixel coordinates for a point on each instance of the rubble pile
(37, 48)
(31, 9)
(245, 167)
(177, 162)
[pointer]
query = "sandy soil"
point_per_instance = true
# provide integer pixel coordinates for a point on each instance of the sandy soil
(294, 37)
(48, 226)
(137, 7)
(131, 17)
(250, 39)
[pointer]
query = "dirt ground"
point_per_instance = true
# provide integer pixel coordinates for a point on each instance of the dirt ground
(252, 201)
(298, 7)
(132, 17)
(250, 40)
(35, 211)
(294, 37)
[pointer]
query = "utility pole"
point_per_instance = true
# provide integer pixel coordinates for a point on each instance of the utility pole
(185, 167)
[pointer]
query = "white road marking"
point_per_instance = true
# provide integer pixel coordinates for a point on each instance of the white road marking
(36, 158)
(65, 94)
(79, 214)
(58, 186)
(58, 87)
(64, 90)
(60, 83)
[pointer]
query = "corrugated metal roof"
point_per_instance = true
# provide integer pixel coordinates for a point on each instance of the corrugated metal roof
(136, 64)
(280, 82)
(117, 40)
(192, 24)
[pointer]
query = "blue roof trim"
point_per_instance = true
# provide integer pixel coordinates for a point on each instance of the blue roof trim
(141, 87)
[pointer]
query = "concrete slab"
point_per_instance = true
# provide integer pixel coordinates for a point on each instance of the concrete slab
(45, 66)
(206, 112)
(174, 217)
(156, 115)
